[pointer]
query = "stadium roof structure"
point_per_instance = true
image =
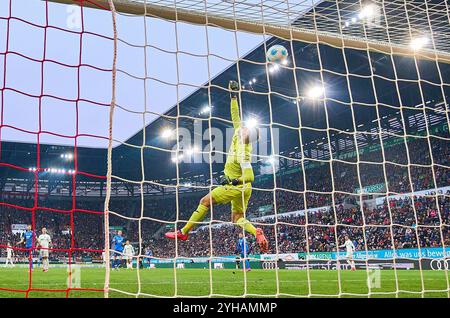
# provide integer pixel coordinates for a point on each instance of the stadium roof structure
(289, 112)
(282, 105)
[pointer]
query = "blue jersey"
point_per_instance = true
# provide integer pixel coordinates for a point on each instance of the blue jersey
(242, 246)
(28, 237)
(118, 243)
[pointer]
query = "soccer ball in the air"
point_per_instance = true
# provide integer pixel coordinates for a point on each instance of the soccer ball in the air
(277, 54)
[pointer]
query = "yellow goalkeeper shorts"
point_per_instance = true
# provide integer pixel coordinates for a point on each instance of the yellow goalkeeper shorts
(237, 195)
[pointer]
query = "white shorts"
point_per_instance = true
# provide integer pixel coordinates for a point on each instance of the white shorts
(128, 257)
(349, 255)
(44, 253)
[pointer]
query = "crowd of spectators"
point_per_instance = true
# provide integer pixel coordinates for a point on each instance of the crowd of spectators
(421, 223)
(327, 191)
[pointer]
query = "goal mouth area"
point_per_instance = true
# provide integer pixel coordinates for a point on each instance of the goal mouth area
(350, 139)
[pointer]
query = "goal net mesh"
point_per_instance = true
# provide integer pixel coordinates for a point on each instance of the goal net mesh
(354, 140)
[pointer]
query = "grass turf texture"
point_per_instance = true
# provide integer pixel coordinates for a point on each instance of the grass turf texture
(196, 282)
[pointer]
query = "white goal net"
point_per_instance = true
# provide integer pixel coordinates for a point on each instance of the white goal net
(353, 141)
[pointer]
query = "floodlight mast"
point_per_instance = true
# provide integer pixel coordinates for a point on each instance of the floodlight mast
(283, 32)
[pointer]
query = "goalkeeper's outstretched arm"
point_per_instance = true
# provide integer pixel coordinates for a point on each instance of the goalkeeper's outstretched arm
(234, 105)
(235, 116)
(246, 167)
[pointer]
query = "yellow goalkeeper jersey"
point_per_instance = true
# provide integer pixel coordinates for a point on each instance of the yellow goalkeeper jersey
(240, 154)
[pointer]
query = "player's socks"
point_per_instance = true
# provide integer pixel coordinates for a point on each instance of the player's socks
(261, 240)
(31, 263)
(246, 225)
(196, 217)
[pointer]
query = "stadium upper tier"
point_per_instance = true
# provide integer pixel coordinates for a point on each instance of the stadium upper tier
(426, 216)
(343, 177)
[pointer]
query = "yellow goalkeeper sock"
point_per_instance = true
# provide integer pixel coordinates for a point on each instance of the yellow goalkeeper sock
(196, 217)
(246, 225)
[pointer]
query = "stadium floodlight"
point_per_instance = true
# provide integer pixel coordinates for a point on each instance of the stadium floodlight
(67, 156)
(367, 12)
(167, 133)
(192, 150)
(274, 68)
(176, 159)
(419, 42)
(254, 80)
(206, 109)
(252, 122)
(316, 91)
(271, 160)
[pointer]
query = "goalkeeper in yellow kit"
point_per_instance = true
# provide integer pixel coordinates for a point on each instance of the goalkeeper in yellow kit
(236, 185)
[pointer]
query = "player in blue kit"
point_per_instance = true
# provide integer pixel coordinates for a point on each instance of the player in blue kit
(28, 237)
(243, 249)
(118, 242)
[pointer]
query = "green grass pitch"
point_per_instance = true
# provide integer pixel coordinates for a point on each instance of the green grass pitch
(196, 282)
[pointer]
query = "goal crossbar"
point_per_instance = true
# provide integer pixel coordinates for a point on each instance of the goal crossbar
(283, 32)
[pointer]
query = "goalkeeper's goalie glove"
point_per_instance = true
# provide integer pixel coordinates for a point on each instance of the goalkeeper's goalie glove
(233, 86)
(227, 181)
